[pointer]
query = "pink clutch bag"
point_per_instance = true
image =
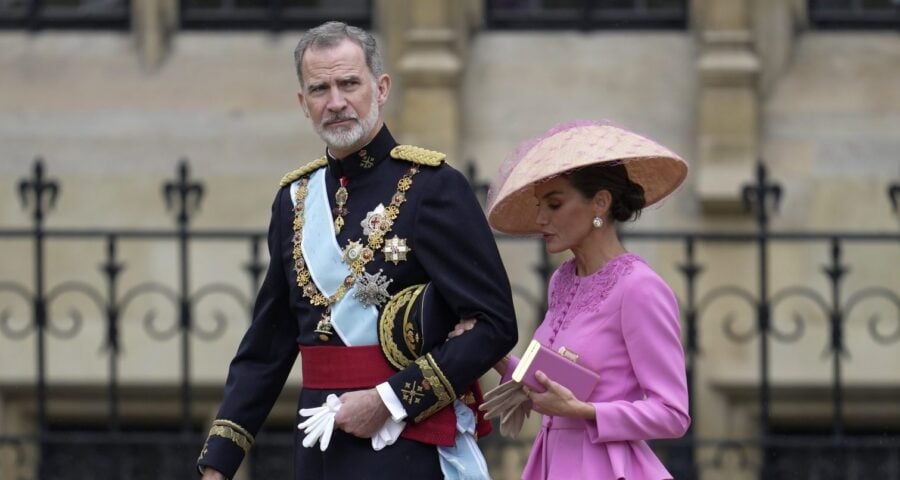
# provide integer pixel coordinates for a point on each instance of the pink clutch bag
(559, 368)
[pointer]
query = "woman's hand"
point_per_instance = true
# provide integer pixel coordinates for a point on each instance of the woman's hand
(558, 400)
(464, 325)
(509, 402)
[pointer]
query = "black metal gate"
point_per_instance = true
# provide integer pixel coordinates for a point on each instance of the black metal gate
(111, 449)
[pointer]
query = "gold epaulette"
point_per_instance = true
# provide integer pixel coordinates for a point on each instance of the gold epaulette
(418, 155)
(312, 166)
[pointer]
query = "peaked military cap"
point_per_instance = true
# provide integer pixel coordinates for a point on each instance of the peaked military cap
(413, 321)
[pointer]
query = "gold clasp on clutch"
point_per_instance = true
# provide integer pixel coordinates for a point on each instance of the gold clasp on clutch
(568, 354)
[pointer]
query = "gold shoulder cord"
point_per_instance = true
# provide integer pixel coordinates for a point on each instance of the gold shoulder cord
(418, 155)
(312, 166)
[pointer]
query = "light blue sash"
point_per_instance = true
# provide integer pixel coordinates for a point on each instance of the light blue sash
(464, 460)
(355, 323)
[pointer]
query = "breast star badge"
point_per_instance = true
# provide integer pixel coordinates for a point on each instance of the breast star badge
(371, 288)
(374, 221)
(352, 251)
(395, 249)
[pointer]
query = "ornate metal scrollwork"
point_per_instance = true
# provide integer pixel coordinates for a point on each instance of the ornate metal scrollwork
(218, 315)
(75, 316)
(6, 317)
(729, 320)
(798, 291)
(868, 294)
(150, 317)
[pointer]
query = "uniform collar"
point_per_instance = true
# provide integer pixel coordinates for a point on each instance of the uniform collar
(365, 159)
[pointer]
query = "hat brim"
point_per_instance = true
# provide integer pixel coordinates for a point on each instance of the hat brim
(658, 170)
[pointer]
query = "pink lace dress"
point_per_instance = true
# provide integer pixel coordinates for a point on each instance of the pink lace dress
(622, 321)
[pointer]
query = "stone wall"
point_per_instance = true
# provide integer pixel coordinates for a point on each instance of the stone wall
(111, 130)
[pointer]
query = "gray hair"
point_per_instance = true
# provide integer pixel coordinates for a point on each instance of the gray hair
(330, 34)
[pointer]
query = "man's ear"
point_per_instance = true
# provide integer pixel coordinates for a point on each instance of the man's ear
(384, 88)
(302, 100)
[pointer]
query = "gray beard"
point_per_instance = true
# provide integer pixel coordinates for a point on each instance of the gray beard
(347, 137)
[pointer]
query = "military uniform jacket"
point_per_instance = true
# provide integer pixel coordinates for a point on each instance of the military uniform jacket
(450, 245)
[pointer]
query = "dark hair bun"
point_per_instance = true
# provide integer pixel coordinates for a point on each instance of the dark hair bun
(627, 196)
(627, 204)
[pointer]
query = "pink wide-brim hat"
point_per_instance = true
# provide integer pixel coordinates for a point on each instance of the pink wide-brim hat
(512, 206)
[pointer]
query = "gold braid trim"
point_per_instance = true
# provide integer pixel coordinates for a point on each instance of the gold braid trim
(408, 330)
(442, 388)
(312, 166)
(234, 432)
(418, 155)
(386, 326)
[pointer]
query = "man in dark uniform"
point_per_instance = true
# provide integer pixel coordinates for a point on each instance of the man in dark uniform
(356, 237)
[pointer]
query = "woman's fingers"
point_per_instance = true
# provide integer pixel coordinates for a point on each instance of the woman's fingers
(544, 379)
(555, 388)
(462, 327)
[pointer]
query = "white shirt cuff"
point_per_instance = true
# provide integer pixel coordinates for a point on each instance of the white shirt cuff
(391, 401)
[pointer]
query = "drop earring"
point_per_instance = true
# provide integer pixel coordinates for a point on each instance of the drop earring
(597, 222)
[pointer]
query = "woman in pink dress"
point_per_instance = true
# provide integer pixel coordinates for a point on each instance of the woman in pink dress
(607, 306)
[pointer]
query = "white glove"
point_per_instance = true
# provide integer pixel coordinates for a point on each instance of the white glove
(509, 402)
(387, 434)
(320, 424)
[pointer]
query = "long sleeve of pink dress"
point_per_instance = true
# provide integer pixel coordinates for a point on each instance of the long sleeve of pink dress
(623, 323)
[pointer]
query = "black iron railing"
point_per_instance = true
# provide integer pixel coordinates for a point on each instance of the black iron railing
(114, 448)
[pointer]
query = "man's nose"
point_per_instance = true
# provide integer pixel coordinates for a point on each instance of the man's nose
(336, 100)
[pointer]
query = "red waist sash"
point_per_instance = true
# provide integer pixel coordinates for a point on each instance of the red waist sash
(342, 368)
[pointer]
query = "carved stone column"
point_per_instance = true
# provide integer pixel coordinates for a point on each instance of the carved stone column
(427, 71)
(153, 22)
(728, 102)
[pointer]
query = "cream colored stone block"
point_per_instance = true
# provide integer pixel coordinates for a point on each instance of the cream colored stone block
(431, 66)
(723, 14)
(774, 28)
(726, 152)
(431, 120)
(728, 68)
(728, 115)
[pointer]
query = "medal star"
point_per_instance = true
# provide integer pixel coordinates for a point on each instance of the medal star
(371, 288)
(352, 251)
(395, 250)
(374, 221)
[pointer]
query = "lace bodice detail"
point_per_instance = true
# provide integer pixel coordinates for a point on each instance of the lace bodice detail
(570, 294)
